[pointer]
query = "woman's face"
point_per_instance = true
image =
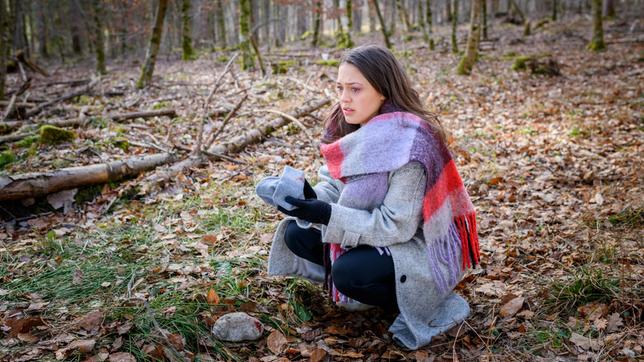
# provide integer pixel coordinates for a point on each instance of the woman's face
(359, 100)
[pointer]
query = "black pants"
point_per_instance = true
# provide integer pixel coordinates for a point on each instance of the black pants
(360, 273)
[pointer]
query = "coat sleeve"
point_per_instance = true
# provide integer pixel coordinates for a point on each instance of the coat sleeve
(395, 221)
(327, 189)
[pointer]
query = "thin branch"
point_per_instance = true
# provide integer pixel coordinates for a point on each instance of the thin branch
(204, 113)
(229, 116)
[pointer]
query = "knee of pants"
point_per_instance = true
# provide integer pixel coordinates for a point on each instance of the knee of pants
(291, 235)
(345, 279)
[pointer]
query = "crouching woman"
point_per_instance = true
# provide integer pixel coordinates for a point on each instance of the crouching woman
(390, 223)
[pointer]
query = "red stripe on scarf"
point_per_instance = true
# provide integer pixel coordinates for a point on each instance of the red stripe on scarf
(334, 157)
(447, 182)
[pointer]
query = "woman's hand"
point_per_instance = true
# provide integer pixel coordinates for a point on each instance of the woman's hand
(311, 210)
(309, 193)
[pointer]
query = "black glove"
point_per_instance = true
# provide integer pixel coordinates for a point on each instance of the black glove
(312, 210)
(309, 193)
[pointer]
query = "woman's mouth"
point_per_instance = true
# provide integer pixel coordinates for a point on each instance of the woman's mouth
(347, 110)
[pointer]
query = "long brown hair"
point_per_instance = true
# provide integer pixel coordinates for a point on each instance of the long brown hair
(383, 71)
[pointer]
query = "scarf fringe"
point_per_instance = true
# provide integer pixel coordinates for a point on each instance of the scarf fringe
(462, 233)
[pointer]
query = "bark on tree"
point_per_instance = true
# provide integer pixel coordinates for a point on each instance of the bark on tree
(471, 52)
(404, 15)
(597, 42)
(246, 58)
(609, 8)
(20, 40)
(383, 27)
(99, 41)
(4, 45)
(186, 43)
(43, 32)
(153, 48)
(74, 12)
(428, 23)
(554, 10)
(317, 17)
(221, 23)
(454, 26)
(448, 10)
(484, 18)
(39, 184)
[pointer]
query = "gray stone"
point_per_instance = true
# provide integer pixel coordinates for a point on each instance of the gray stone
(236, 327)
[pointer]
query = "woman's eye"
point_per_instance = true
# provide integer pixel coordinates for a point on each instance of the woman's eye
(338, 89)
(355, 90)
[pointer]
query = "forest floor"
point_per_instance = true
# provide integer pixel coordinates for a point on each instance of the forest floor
(553, 165)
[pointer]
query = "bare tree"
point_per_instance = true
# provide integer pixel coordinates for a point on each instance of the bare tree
(609, 8)
(4, 44)
(597, 42)
(454, 25)
(317, 18)
(474, 36)
(221, 23)
(383, 26)
(186, 39)
(244, 26)
(153, 48)
(99, 41)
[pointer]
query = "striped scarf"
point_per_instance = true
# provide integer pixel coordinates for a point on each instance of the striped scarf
(363, 159)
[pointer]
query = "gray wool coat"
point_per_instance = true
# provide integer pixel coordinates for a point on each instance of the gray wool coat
(397, 225)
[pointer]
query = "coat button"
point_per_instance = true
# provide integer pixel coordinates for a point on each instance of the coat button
(403, 278)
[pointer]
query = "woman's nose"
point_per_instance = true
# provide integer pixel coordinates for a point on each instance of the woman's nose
(344, 97)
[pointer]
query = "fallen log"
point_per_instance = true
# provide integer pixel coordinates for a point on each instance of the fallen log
(9, 126)
(31, 185)
(255, 135)
(145, 114)
(218, 151)
(62, 98)
(15, 137)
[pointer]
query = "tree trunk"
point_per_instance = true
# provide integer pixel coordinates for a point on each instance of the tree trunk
(4, 45)
(247, 61)
(392, 17)
(554, 10)
(484, 18)
(267, 18)
(372, 17)
(383, 27)
(597, 42)
(221, 23)
(317, 16)
(454, 26)
(609, 8)
(39, 184)
(43, 32)
(153, 49)
(515, 10)
(404, 15)
(448, 10)
(430, 22)
(357, 17)
(188, 52)
(469, 58)
(20, 41)
(99, 41)
(74, 13)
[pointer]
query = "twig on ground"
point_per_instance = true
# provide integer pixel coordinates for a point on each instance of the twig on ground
(204, 113)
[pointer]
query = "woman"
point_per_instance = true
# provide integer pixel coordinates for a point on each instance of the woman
(391, 224)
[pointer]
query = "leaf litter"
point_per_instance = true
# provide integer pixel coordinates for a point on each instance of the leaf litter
(553, 165)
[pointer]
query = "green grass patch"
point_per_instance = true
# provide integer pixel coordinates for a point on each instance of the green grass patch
(631, 218)
(6, 158)
(28, 141)
(584, 285)
(328, 62)
(553, 338)
(578, 132)
(160, 105)
(240, 220)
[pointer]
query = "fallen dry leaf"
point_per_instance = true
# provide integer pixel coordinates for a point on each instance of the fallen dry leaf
(318, 355)
(585, 343)
(276, 342)
(212, 297)
(512, 307)
(614, 323)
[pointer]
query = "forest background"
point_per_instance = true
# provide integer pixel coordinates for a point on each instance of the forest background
(132, 134)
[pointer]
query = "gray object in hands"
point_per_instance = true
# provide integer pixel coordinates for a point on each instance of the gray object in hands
(273, 189)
